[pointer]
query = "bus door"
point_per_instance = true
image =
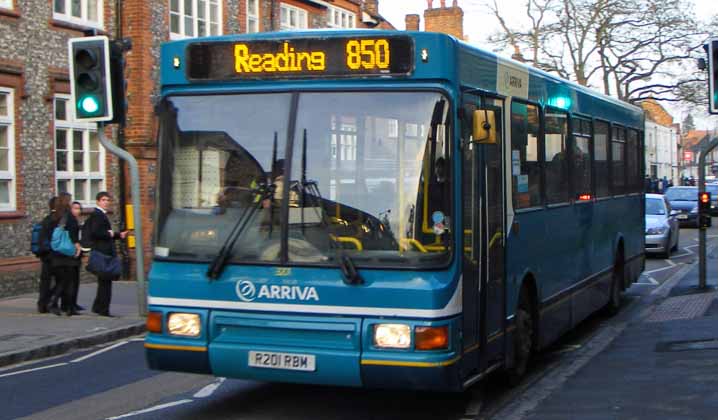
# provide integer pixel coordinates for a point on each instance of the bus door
(483, 225)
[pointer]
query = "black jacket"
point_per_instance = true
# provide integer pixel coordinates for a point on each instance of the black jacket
(98, 227)
(73, 229)
(45, 237)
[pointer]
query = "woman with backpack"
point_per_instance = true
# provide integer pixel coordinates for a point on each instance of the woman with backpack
(65, 263)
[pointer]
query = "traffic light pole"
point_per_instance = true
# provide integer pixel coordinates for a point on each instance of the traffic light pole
(136, 214)
(702, 230)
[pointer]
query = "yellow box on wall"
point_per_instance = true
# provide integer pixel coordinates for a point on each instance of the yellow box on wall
(129, 217)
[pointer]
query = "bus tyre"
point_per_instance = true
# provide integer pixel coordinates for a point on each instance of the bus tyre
(523, 341)
(614, 300)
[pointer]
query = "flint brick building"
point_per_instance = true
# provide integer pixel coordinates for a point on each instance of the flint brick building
(44, 151)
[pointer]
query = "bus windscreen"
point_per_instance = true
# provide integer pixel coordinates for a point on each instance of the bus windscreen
(300, 58)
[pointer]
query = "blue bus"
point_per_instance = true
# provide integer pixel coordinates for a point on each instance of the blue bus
(382, 209)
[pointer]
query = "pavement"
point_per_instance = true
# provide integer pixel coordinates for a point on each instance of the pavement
(26, 334)
(662, 365)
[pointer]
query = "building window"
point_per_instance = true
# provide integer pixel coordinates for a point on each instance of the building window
(7, 150)
(292, 18)
(252, 16)
(80, 12)
(193, 18)
(6, 4)
(79, 156)
(340, 18)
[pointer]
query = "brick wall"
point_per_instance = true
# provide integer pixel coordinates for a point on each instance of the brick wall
(449, 20)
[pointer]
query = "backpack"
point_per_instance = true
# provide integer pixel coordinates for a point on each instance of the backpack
(35, 240)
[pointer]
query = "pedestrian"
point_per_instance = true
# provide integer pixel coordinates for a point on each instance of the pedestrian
(101, 238)
(64, 266)
(45, 288)
(76, 210)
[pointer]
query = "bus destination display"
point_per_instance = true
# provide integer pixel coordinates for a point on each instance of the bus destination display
(300, 58)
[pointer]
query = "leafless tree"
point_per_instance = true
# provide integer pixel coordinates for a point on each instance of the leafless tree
(632, 49)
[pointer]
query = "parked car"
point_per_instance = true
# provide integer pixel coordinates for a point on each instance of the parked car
(662, 228)
(685, 201)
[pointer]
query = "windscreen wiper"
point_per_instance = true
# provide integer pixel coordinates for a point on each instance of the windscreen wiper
(350, 274)
(217, 266)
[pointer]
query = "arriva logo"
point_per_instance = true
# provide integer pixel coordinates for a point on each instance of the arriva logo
(247, 292)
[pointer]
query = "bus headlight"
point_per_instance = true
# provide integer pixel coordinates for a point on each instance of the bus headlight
(184, 324)
(393, 336)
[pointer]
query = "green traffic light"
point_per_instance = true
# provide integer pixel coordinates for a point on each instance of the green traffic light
(89, 104)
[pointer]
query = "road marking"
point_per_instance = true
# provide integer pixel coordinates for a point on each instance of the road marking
(682, 255)
(671, 263)
(659, 269)
(108, 348)
(650, 281)
(151, 409)
(33, 369)
(209, 389)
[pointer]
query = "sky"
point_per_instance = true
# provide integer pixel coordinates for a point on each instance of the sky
(479, 23)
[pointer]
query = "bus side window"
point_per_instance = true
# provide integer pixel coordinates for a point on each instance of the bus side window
(600, 153)
(581, 160)
(525, 147)
(633, 165)
(618, 160)
(555, 153)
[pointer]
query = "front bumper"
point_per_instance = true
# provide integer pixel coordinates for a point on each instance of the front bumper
(690, 219)
(341, 346)
(657, 243)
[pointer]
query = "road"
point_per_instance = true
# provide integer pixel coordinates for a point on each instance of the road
(112, 382)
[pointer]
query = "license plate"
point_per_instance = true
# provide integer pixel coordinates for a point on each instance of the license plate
(289, 361)
(682, 216)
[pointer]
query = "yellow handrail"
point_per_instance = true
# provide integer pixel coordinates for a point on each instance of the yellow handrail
(405, 242)
(349, 239)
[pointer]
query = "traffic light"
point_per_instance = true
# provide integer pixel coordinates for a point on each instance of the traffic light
(713, 76)
(119, 84)
(704, 208)
(90, 80)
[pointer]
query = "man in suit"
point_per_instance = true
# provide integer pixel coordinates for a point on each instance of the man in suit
(102, 238)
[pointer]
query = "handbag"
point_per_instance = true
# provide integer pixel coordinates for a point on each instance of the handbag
(61, 242)
(100, 263)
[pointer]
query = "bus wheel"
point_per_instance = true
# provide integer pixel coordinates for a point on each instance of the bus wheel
(614, 300)
(523, 340)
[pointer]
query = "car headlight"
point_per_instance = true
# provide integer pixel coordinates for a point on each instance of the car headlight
(393, 336)
(656, 230)
(184, 324)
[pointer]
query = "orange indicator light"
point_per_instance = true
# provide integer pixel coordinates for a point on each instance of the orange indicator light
(431, 338)
(584, 197)
(154, 322)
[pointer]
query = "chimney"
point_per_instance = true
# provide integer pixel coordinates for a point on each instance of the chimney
(429, 4)
(372, 7)
(449, 20)
(412, 22)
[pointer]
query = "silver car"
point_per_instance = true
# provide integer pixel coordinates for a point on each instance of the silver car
(662, 228)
